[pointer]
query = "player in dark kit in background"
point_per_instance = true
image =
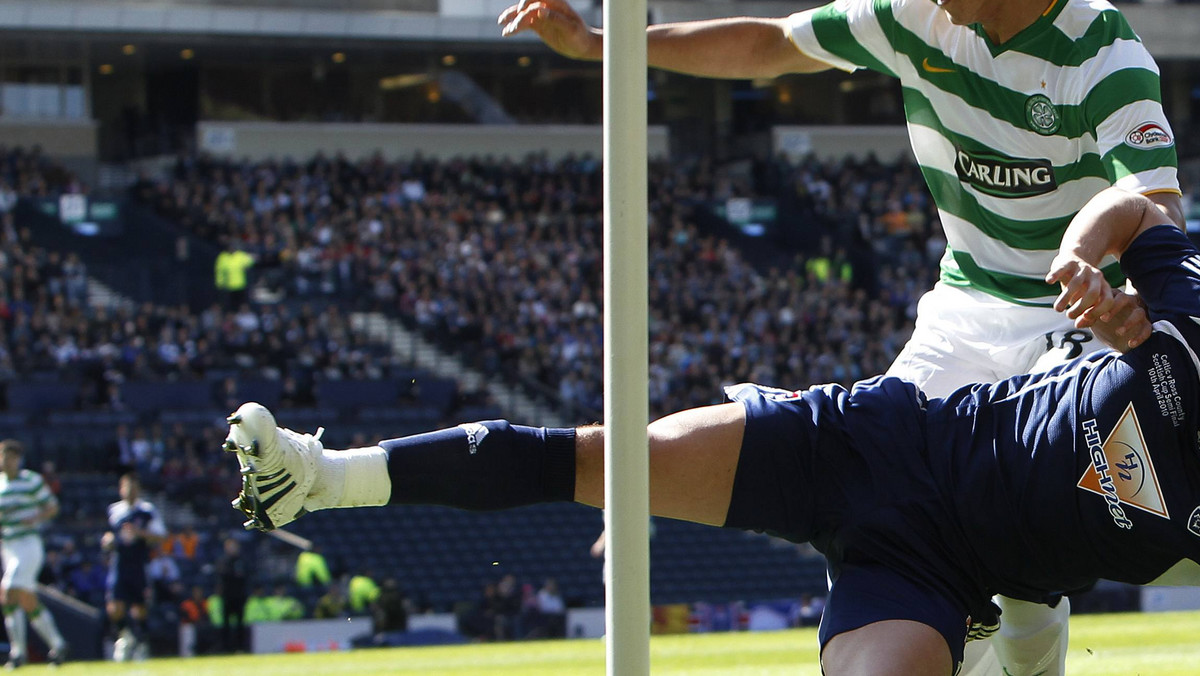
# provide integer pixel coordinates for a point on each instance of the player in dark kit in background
(233, 581)
(135, 531)
(1030, 487)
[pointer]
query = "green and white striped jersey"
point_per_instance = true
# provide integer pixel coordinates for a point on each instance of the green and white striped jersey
(20, 499)
(1012, 139)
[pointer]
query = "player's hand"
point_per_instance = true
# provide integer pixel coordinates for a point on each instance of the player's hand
(1126, 325)
(1086, 295)
(556, 23)
(108, 540)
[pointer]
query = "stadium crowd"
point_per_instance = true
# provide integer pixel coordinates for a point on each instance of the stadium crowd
(502, 258)
(50, 329)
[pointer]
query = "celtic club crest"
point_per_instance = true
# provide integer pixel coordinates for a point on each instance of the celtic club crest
(1041, 115)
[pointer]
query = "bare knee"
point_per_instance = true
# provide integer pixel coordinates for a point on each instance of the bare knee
(887, 648)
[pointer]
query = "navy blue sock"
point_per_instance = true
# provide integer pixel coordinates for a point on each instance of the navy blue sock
(138, 628)
(117, 626)
(483, 466)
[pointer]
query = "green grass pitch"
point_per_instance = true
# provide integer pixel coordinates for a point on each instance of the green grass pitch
(1158, 644)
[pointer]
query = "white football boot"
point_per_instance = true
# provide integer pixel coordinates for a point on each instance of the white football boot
(278, 467)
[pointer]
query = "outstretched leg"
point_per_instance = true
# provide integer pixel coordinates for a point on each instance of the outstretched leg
(487, 465)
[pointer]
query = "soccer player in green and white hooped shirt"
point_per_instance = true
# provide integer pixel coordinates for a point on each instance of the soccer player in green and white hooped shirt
(1019, 113)
(25, 504)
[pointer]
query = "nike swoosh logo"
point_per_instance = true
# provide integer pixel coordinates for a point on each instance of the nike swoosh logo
(934, 69)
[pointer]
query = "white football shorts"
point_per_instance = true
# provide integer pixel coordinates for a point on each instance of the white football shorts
(965, 336)
(22, 559)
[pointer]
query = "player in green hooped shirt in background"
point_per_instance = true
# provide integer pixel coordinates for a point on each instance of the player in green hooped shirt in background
(1019, 112)
(25, 504)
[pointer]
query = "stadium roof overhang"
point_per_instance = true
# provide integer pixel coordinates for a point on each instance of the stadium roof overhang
(1167, 28)
(104, 17)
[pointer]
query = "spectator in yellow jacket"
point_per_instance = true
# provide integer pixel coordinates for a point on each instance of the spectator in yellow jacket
(283, 606)
(311, 568)
(362, 591)
(257, 607)
(230, 274)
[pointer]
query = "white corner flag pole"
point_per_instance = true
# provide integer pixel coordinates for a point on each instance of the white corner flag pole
(626, 351)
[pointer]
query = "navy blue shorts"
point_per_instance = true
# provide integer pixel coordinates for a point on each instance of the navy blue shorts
(845, 471)
(129, 588)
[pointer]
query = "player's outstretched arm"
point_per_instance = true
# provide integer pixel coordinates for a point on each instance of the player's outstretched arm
(1106, 225)
(739, 48)
(557, 24)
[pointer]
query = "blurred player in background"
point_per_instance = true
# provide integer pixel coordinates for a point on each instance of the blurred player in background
(233, 582)
(1019, 112)
(25, 504)
(925, 508)
(136, 530)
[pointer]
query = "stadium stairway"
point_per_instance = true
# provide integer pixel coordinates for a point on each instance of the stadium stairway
(517, 405)
(100, 294)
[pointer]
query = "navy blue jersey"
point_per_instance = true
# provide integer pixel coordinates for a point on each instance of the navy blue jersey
(1031, 487)
(1091, 469)
(131, 554)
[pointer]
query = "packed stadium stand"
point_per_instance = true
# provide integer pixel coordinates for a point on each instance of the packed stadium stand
(501, 259)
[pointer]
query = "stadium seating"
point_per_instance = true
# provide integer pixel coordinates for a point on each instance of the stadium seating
(84, 501)
(41, 397)
(449, 554)
(356, 394)
(265, 392)
(153, 397)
